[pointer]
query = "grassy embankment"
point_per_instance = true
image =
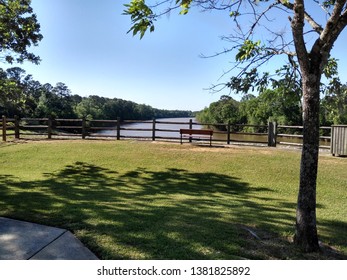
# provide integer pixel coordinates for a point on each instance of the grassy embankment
(141, 200)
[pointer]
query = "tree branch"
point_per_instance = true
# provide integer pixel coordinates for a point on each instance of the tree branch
(317, 27)
(335, 24)
(298, 34)
(333, 21)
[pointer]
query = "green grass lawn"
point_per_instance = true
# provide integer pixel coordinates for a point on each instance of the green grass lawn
(143, 200)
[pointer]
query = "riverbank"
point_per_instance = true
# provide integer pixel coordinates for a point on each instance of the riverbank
(152, 200)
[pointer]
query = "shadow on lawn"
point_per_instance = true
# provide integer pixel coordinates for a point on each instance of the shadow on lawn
(171, 214)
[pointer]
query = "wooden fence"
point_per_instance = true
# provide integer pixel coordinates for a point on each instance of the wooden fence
(270, 135)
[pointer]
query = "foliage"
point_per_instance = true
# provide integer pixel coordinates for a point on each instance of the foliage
(19, 30)
(281, 105)
(334, 103)
(271, 105)
(141, 17)
(223, 111)
(21, 95)
(280, 97)
(55, 102)
(248, 50)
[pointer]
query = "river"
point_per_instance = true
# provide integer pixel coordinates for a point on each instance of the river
(165, 128)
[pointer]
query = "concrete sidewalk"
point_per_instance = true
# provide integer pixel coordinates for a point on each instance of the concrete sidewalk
(28, 241)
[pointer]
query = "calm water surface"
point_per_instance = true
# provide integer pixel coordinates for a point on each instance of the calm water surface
(144, 129)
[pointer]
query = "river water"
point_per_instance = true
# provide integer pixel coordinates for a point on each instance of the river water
(165, 128)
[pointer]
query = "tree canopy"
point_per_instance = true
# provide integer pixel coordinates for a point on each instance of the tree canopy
(19, 30)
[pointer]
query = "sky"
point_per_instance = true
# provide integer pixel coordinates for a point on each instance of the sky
(86, 46)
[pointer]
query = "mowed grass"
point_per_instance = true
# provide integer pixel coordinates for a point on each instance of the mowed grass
(143, 200)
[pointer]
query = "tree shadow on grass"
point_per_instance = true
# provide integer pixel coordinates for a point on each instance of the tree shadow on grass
(167, 214)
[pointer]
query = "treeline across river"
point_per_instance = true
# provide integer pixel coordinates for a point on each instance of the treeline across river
(22, 96)
(277, 105)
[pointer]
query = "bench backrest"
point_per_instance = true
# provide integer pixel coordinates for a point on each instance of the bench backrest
(197, 131)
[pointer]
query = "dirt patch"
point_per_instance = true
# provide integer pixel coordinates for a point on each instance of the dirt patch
(262, 244)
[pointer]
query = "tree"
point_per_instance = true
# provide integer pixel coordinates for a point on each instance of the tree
(55, 102)
(334, 104)
(221, 112)
(308, 50)
(12, 87)
(19, 30)
(91, 107)
(281, 106)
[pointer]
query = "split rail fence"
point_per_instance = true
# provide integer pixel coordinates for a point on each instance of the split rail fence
(270, 135)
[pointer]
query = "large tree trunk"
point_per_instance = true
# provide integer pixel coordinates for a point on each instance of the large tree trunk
(306, 231)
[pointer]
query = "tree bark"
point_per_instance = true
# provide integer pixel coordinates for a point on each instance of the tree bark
(306, 230)
(311, 68)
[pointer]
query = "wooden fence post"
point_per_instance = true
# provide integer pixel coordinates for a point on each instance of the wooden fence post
(16, 127)
(83, 128)
(153, 130)
(228, 131)
(49, 128)
(118, 128)
(4, 126)
(275, 134)
(190, 127)
(272, 134)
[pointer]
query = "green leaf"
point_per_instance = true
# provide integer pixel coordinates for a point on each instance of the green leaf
(330, 69)
(185, 6)
(142, 17)
(248, 50)
(234, 14)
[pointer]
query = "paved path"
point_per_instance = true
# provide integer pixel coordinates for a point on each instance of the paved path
(28, 241)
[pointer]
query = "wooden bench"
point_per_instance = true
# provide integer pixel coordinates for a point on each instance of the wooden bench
(191, 132)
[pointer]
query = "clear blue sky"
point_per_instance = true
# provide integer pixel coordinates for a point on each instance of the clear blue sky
(86, 46)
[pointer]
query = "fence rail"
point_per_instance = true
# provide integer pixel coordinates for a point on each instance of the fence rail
(228, 133)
